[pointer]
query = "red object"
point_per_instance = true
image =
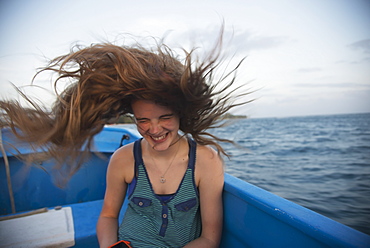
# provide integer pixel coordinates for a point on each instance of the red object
(121, 244)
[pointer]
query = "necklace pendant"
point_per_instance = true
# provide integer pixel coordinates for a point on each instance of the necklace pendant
(163, 180)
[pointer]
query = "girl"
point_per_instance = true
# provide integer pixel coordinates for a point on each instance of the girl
(172, 178)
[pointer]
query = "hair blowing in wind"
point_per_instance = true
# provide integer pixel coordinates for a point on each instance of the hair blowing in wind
(105, 78)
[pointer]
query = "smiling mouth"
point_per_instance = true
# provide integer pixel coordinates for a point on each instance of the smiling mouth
(159, 138)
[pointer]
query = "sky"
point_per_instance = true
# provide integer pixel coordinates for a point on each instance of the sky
(307, 57)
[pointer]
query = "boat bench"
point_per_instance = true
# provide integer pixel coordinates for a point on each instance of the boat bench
(72, 225)
(44, 228)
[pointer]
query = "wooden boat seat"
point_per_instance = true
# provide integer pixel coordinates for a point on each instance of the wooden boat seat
(52, 228)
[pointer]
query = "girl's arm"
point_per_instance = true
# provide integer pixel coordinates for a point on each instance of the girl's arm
(210, 177)
(119, 169)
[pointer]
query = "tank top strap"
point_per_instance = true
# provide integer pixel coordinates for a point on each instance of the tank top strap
(192, 153)
(137, 153)
(138, 161)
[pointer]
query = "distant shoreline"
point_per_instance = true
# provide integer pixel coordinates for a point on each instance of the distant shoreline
(231, 116)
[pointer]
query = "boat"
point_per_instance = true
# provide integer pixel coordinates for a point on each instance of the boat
(35, 212)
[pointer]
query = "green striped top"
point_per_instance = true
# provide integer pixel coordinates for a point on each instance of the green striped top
(155, 221)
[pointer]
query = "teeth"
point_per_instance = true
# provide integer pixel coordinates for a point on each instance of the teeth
(159, 138)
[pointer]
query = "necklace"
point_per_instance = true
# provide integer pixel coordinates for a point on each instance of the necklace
(162, 178)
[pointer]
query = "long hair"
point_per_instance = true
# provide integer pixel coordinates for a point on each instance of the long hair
(105, 78)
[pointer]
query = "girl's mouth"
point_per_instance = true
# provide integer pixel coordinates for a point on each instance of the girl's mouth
(159, 138)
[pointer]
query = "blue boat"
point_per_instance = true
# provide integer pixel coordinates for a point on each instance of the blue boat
(35, 213)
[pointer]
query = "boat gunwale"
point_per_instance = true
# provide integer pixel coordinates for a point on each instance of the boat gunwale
(315, 225)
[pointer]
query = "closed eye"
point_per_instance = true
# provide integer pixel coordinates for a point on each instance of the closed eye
(141, 120)
(166, 117)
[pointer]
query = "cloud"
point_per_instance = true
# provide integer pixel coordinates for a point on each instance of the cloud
(236, 40)
(363, 45)
(249, 41)
(309, 69)
(354, 62)
(341, 86)
(366, 60)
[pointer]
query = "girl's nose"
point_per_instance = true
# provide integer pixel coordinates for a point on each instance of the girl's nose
(155, 127)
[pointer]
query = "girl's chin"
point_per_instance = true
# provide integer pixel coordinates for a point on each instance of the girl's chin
(160, 146)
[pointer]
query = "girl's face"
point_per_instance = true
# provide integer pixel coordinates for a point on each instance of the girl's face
(158, 124)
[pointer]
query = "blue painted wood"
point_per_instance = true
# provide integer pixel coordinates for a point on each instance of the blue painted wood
(34, 185)
(85, 217)
(254, 217)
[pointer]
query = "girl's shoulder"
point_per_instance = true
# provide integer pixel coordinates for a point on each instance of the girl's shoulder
(125, 150)
(208, 156)
(206, 151)
(124, 153)
(122, 161)
(209, 167)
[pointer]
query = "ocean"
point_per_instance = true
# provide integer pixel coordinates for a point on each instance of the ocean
(319, 162)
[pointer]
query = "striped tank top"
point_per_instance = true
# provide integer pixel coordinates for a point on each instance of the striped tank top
(152, 220)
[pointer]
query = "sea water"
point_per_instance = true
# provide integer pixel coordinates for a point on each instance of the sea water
(319, 162)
